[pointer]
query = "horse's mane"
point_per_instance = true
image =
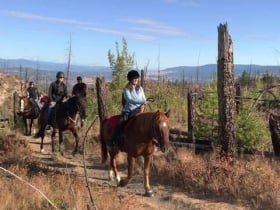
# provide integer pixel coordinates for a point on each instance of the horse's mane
(73, 104)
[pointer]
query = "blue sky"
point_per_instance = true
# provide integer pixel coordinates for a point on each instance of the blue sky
(165, 33)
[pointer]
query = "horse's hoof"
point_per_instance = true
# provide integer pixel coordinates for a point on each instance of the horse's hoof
(122, 183)
(149, 193)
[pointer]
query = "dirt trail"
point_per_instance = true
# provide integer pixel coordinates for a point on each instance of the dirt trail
(166, 197)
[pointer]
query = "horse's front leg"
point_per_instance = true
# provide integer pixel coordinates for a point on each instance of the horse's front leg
(130, 170)
(30, 127)
(60, 136)
(52, 138)
(25, 126)
(75, 134)
(147, 165)
(41, 133)
(113, 171)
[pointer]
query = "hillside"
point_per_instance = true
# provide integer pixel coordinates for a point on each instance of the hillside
(200, 73)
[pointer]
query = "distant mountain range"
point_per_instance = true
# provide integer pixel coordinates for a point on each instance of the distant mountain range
(189, 73)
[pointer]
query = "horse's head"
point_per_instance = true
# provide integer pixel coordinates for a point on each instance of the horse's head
(161, 130)
(77, 105)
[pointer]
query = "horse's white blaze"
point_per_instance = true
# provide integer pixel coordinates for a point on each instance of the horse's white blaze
(164, 124)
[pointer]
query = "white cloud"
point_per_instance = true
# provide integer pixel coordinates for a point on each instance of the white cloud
(141, 29)
(155, 27)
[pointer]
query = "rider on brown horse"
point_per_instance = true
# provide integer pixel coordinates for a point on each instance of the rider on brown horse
(33, 94)
(80, 90)
(134, 101)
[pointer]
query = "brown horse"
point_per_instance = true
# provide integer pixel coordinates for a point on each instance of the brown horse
(29, 110)
(140, 136)
(66, 119)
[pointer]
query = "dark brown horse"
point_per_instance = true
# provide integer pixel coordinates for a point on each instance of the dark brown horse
(140, 136)
(66, 119)
(29, 111)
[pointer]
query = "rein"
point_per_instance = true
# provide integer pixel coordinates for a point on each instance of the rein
(70, 118)
(76, 112)
(157, 137)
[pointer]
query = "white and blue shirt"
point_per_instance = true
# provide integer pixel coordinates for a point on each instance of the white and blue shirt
(134, 98)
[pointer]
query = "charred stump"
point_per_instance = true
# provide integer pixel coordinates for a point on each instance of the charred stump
(274, 127)
(226, 93)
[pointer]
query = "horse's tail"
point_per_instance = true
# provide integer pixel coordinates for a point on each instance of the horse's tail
(104, 151)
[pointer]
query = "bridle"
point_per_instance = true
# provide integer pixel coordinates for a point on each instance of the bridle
(157, 133)
(75, 110)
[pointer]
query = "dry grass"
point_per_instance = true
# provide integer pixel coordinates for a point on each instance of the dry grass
(251, 182)
(64, 190)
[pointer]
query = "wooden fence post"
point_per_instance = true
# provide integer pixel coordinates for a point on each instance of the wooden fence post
(275, 133)
(238, 98)
(191, 115)
(100, 99)
(15, 107)
(142, 79)
(226, 93)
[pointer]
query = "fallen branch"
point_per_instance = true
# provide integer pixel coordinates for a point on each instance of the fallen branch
(9, 172)
(85, 168)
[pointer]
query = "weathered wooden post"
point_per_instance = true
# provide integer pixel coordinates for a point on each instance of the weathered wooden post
(238, 98)
(275, 133)
(226, 93)
(191, 116)
(15, 107)
(142, 81)
(100, 99)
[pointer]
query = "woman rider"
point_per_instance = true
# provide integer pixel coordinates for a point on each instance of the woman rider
(134, 102)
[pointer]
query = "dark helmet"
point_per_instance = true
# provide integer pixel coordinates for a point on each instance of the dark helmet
(59, 74)
(31, 83)
(79, 78)
(132, 75)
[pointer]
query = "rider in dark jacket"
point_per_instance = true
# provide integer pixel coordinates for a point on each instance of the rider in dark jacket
(80, 88)
(57, 93)
(32, 91)
(58, 89)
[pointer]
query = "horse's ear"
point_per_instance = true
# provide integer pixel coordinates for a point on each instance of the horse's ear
(167, 113)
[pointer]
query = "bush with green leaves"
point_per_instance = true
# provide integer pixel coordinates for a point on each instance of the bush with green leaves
(252, 132)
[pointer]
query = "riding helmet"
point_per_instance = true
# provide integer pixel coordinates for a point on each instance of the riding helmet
(79, 78)
(133, 74)
(59, 74)
(31, 83)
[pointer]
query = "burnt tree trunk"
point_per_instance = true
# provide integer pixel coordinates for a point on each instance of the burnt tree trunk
(274, 127)
(100, 99)
(226, 93)
(15, 107)
(238, 97)
(191, 115)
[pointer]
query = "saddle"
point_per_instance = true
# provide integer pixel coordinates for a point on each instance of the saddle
(119, 128)
(114, 121)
